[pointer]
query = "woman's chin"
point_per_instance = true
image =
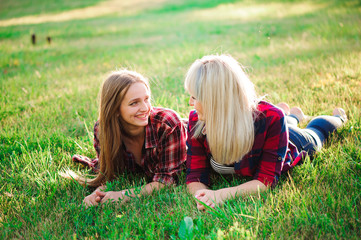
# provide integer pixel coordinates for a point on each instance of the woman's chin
(142, 122)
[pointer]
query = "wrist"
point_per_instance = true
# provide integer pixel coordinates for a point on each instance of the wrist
(226, 193)
(125, 195)
(220, 194)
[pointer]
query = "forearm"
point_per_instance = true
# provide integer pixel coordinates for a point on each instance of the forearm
(150, 187)
(144, 190)
(195, 186)
(248, 188)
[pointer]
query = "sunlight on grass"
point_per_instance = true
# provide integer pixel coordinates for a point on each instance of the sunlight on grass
(237, 232)
(306, 53)
(121, 7)
(245, 11)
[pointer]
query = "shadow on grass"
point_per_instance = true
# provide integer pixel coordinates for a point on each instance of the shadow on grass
(33, 7)
(185, 5)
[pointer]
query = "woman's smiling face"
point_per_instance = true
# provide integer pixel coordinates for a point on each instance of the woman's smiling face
(135, 107)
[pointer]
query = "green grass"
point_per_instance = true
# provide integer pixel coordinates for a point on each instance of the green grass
(12, 9)
(306, 53)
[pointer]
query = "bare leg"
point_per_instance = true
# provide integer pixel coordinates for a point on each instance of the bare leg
(340, 112)
(285, 107)
(296, 111)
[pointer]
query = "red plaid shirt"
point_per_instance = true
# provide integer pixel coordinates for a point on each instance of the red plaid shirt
(270, 155)
(164, 150)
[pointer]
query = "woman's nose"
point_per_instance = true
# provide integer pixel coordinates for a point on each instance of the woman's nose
(191, 101)
(144, 107)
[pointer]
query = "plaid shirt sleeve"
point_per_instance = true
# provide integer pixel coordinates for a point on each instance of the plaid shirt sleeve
(274, 148)
(198, 166)
(171, 149)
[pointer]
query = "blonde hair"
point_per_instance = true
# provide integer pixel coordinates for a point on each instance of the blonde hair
(229, 102)
(111, 159)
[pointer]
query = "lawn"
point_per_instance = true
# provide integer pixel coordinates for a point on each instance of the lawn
(307, 53)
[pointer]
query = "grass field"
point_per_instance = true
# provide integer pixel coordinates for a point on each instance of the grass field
(307, 53)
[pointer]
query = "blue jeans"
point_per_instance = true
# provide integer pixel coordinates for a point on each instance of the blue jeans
(312, 138)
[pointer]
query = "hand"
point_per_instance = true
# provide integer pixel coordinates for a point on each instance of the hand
(112, 196)
(91, 200)
(210, 197)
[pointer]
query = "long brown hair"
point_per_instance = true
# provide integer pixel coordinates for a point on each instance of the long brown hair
(111, 159)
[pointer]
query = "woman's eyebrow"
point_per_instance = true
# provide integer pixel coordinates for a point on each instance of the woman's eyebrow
(138, 98)
(134, 99)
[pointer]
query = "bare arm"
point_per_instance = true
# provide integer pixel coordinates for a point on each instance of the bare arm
(247, 188)
(125, 195)
(195, 186)
(145, 190)
(217, 197)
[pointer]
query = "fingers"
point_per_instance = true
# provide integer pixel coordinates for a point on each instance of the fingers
(104, 199)
(94, 199)
(90, 201)
(200, 207)
(204, 199)
(199, 194)
(109, 196)
(100, 193)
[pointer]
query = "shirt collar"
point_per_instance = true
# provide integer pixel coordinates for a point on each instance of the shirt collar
(204, 132)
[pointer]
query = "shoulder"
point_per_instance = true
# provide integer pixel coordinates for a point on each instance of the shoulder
(269, 111)
(164, 116)
(269, 117)
(193, 116)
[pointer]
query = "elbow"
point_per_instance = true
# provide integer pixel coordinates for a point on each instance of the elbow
(258, 186)
(261, 186)
(157, 185)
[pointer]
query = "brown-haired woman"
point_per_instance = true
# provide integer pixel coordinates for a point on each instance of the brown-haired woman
(133, 136)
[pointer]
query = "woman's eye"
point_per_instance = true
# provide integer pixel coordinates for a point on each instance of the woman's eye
(133, 103)
(193, 98)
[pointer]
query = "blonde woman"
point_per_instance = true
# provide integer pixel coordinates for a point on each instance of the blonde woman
(131, 135)
(233, 132)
